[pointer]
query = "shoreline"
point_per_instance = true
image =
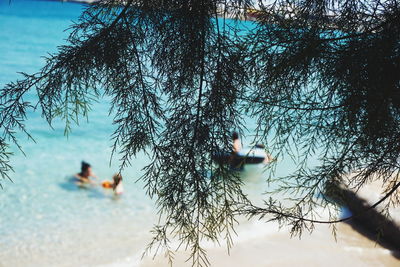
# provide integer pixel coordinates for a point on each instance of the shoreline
(370, 221)
(118, 243)
(45, 222)
(272, 247)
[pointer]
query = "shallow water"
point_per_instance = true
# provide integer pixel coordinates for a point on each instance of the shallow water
(45, 220)
(45, 217)
(41, 208)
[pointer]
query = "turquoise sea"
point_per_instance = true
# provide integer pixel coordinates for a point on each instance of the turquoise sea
(45, 220)
(44, 217)
(42, 213)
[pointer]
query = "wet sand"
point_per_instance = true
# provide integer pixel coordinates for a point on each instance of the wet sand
(276, 248)
(258, 244)
(264, 244)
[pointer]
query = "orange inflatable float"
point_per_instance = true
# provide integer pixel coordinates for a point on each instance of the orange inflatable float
(107, 184)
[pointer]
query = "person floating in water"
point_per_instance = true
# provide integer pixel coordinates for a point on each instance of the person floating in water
(84, 176)
(236, 145)
(235, 162)
(115, 184)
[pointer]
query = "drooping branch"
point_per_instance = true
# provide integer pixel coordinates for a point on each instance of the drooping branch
(319, 78)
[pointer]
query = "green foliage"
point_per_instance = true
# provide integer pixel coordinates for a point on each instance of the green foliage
(320, 77)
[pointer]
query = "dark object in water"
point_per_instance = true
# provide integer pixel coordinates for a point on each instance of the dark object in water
(237, 159)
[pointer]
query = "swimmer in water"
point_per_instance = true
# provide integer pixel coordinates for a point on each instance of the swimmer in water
(117, 184)
(234, 161)
(84, 176)
(236, 144)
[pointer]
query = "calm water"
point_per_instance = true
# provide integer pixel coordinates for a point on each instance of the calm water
(44, 219)
(41, 208)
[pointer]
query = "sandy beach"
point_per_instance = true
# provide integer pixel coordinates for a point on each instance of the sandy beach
(275, 248)
(46, 221)
(258, 244)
